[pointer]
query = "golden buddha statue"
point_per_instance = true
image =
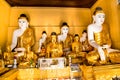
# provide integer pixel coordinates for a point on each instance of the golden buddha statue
(77, 55)
(54, 49)
(86, 47)
(42, 52)
(28, 59)
(23, 36)
(65, 39)
(1, 55)
(8, 56)
(99, 38)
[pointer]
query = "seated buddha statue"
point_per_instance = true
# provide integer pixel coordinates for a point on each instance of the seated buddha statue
(42, 52)
(8, 56)
(23, 36)
(44, 40)
(29, 59)
(77, 55)
(54, 49)
(65, 39)
(99, 38)
(86, 47)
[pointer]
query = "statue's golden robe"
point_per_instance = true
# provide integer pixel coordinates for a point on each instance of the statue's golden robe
(54, 50)
(67, 44)
(103, 38)
(27, 38)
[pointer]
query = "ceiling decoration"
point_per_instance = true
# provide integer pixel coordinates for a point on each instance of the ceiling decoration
(52, 3)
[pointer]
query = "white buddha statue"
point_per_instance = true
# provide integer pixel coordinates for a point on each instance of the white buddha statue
(23, 36)
(99, 38)
(65, 38)
(43, 40)
(86, 47)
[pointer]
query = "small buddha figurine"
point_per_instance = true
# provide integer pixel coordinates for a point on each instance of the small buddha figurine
(99, 38)
(54, 49)
(42, 52)
(8, 56)
(86, 47)
(76, 45)
(77, 55)
(65, 39)
(44, 40)
(22, 36)
(29, 58)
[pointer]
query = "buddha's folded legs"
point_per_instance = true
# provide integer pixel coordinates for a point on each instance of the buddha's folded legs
(114, 57)
(93, 57)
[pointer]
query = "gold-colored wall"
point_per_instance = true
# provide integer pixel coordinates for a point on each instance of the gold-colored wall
(4, 22)
(117, 31)
(112, 11)
(49, 19)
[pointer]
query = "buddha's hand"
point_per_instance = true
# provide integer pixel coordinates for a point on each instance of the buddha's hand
(19, 49)
(101, 53)
(106, 46)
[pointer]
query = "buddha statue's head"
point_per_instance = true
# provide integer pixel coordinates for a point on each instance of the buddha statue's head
(53, 37)
(64, 28)
(44, 35)
(98, 16)
(84, 33)
(76, 38)
(23, 21)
